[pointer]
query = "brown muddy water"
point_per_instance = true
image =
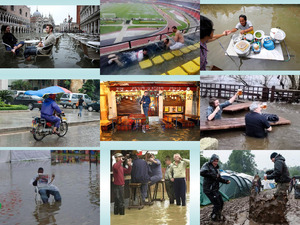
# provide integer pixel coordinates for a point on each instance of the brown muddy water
(160, 213)
(263, 17)
(284, 137)
(78, 183)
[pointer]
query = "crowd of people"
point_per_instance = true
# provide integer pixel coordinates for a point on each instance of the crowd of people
(147, 170)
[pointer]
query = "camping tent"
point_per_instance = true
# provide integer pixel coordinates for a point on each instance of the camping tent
(19, 155)
(240, 185)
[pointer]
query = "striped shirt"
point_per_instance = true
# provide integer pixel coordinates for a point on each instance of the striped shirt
(203, 56)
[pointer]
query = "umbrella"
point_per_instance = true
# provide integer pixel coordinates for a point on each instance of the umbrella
(48, 90)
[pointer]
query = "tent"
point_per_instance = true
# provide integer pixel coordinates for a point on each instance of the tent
(20, 155)
(240, 185)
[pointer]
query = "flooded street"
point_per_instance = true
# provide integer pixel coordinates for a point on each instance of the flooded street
(160, 213)
(263, 17)
(66, 54)
(281, 137)
(156, 133)
(78, 183)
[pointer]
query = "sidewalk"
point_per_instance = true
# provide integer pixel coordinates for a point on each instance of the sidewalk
(12, 121)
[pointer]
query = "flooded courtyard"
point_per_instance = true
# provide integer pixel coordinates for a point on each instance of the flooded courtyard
(281, 137)
(66, 54)
(263, 17)
(78, 183)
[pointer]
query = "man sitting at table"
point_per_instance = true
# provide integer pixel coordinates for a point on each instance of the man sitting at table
(256, 124)
(41, 48)
(10, 41)
(215, 109)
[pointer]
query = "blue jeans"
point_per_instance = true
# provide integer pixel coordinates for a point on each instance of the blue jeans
(10, 48)
(30, 50)
(146, 109)
(52, 119)
(45, 194)
(154, 179)
(80, 110)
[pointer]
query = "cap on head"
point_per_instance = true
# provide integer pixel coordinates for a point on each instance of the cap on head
(118, 155)
(273, 155)
(52, 96)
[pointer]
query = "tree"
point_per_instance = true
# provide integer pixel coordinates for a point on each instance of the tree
(202, 159)
(6, 96)
(20, 85)
(294, 171)
(89, 88)
(161, 155)
(241, 161)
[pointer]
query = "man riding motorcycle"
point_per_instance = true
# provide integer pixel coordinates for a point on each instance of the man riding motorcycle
(49, 106)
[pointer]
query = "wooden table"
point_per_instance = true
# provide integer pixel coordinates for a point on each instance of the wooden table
(233, 123)
(194, 117)
(30, 42)
(237, 107)
(176, 117)
(136, 118)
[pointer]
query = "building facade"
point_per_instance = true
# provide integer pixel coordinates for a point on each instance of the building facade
(16, 16)
(38, 22)
(90, 19)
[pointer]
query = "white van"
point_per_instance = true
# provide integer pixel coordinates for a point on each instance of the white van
(71, 99)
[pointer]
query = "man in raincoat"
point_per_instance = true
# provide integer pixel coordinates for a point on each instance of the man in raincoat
(210, 172)
(49, 106)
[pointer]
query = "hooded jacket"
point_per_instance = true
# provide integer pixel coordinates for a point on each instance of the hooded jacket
(48, 107)
(211, 176)
(280, 173)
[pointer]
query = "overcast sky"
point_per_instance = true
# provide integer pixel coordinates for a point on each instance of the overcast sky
(262, 157)
(59, 12)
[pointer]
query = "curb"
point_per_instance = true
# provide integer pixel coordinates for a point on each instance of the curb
(28, 128)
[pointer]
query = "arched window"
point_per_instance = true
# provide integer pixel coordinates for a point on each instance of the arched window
(26, 14)
(20, 11)
(12, 8)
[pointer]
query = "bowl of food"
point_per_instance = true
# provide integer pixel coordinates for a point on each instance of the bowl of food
(277, 34)
(259, 34)
(242, 48)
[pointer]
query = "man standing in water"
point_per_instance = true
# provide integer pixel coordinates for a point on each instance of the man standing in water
(145, 101)
(210, 172)
(281, 175)
(215, 109)
(244, 25)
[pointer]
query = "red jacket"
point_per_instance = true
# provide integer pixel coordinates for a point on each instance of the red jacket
(119, 171)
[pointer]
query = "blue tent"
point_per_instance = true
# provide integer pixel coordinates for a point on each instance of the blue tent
(48, 90)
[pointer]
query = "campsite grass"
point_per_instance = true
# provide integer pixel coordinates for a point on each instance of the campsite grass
(109, 29)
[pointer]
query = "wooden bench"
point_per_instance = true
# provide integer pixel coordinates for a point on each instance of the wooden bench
(162, 183)
(185, 123)
(166, 124)
(105, 125)
(135, 191)
(234, 123)
(237, 107)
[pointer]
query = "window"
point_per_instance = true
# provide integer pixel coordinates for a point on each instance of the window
(74, 96)
(12, 8)
(20, 11)
(26, 14)
(65, 96)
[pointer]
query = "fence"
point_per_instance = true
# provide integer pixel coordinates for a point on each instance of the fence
(251, 93)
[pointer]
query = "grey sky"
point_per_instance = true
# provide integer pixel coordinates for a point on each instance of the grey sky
(262, 157)
(59, 12)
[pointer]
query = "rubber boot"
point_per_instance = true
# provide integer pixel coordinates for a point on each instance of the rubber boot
(122, 211)
(116, 210)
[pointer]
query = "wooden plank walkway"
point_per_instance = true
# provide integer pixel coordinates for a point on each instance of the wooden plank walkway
(233, 123)
(237, 107)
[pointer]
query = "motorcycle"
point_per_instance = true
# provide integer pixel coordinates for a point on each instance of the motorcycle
(41, 128)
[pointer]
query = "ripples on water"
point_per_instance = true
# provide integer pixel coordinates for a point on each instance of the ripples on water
(79, 186)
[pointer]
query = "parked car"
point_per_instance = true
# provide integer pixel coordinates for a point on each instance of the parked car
(31, 101)
(17, 93)
(93, 106)
(71, 99)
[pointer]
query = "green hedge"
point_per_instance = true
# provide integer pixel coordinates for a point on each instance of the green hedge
(14, 107)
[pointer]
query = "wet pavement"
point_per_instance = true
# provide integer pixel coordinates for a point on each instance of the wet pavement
(78, 183)
(281, 138)
(263, 17)
(67, 54)
(23, 119)
(160, 213)
(156, 133)
(77, 136)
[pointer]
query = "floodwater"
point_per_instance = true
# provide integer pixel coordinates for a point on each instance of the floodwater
(160, 213)
(284, 137)
(263, 17)
(78, 183)
(155, 50)
(156, 133)
(65, 55)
